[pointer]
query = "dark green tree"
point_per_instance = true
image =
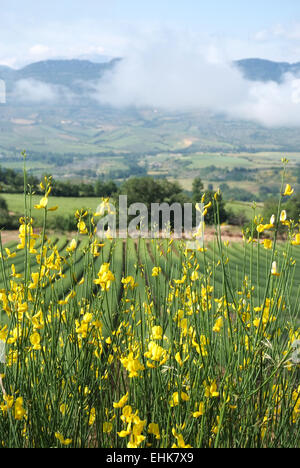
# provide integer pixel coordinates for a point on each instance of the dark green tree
(197, 190)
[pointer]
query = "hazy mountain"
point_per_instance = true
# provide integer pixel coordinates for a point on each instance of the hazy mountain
(73, 73)
(255, 69)
(51, 110)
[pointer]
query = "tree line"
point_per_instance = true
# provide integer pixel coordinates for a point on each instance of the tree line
(146, 190)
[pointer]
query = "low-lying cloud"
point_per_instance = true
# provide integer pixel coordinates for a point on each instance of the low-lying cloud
(178, 77)
(34, 91)
(170, 73)
(31, 91)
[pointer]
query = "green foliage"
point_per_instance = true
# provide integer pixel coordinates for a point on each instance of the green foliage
(197, 189)
(237, 194)
(210, 217)
(148, 190)
(63, 223)
(6, 220)
(291, 206)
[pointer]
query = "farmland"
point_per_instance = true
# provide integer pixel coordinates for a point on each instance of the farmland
(87, 143)
(129, 257)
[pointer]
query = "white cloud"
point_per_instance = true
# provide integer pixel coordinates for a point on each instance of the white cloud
(171, 74)
(39, 51)
(173, 69)
(262, 35)
(272, 104)
(33, 91)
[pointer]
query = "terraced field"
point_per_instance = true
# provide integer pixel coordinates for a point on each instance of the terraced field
(137, 258)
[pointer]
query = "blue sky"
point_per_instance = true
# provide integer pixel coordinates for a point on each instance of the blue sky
(31, 30)
(178, 53)
(213, 14)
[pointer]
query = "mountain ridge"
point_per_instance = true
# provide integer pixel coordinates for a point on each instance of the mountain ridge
(73, 77)
(67, 73)
(256, 69)
(57, 70)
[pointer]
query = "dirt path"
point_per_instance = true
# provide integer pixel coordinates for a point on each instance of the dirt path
(9, 236)
(230, 233)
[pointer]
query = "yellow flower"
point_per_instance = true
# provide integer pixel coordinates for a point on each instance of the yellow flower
(200, 411)
(3, 333)
(157, 332)
(63, 409)
(105, 277)
(62, 440)
(107, 427)
(82, 227)
(180, 440)
(9, 401)
(132, 365)
(217, 194)
(35, 340)
(274, 271)
(123, 433)
(121, 402)
(181, 281)
(175, 398)
(283, 216)
(105, 207)
(9, 254)
(288, 191)
(260, 228)
(178, 359)
(92, 417)
(194, 276)
(72, 246)
(66, 300)
(35, 279)
(127, 414)
(129, 282)
(218, 325)
(53, 208)
(211, 389)
(14, 274)
(267, 244)
(94, 248)
(19, 411)
(156, 271)
(156, 353)
(297, 240)
(263, 227)
(154, 429)
(43, 203)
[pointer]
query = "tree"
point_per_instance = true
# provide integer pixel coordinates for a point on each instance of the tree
(105, 189)
(197, 190)
(291, 206)
(6, 220)
(148, 190)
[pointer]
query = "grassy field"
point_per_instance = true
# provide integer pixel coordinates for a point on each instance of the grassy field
(66, 205)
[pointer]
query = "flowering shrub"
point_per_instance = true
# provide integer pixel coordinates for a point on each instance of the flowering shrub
(148, 344)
